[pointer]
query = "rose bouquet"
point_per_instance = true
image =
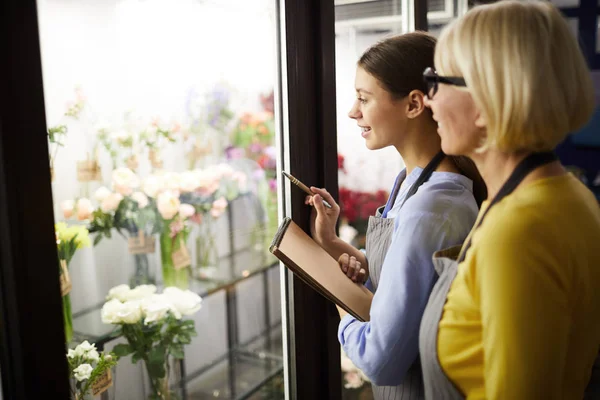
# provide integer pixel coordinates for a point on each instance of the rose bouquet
(89, 369)
(154, 328)
(68, 240)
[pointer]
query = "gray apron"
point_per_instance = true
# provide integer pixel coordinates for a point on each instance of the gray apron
(438, 386)
(379, 238)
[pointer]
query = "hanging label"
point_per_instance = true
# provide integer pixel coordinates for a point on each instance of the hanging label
(65, 279)
(103, 382)
(155, 159)
(181, 257)
(88, 171)
(141, 244)
(132, 162)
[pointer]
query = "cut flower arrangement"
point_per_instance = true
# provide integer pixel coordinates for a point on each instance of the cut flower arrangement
(89, 369)
(154, 326)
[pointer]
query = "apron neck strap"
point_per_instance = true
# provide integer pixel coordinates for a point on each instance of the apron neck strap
(524, 168)
(425, 175)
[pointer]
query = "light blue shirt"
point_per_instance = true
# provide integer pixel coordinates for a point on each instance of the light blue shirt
(439, 215)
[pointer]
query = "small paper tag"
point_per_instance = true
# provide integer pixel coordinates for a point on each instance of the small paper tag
(88, 171)
(141, 244)
(132, 162)
(65, 279)
(181, 257)
(155, 159)
(103, 382)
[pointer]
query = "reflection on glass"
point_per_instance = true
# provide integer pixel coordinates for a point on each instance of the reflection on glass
(162, 150)
(598, 34)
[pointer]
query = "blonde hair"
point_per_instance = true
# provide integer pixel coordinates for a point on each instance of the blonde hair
(524, 70)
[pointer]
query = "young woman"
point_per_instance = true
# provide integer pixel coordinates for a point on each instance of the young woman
(518, 317)
(431, 205)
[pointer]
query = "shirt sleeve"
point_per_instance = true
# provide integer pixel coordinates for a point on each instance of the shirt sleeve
(522, 289)
(386, 346)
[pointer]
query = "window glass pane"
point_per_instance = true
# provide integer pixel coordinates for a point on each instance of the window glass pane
(162, 139)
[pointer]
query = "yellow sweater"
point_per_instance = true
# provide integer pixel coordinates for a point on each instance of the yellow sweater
(522, 318)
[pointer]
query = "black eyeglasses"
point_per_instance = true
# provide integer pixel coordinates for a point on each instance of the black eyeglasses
(432, 79)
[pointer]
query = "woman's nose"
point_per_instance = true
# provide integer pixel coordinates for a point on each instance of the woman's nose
(354, 112)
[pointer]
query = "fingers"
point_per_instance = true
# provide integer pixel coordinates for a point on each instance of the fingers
(308, 200)
(318, 204)
(352, 268)
(344, 260)
(325, 194)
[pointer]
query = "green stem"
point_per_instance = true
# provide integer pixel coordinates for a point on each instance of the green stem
(68, 318)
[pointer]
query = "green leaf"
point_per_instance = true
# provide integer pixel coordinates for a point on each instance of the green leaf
(177, 351)
(122, 350)
(97, 239)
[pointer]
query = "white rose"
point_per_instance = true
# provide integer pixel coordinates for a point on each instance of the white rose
(184, 301)
(101, 193)
(83, 372)
(71, 353)
(67, 207)
(111, 202)
(242, 181)
(140, 198)
(118, 292)
(188, 181)
(84, 209)
(152, 186)
(167, 204)
(92, 356)
(155, 308)
(225, 170)
(131, 312)
(186, 210)
(140, 292)
(124, 181)
(110, 312)
(84, 347)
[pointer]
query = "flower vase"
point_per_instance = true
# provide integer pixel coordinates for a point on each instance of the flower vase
(67, 318)
(141, 247)
(206, 249)
(174, 274)
(159, 381)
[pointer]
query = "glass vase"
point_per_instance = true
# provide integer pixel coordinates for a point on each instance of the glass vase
(206, 249)
(159, 382)
(172, 276)
(142, 274)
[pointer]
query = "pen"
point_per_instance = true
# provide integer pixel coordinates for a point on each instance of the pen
(302, 186)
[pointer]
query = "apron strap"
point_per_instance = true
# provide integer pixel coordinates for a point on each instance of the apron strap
(524, 168)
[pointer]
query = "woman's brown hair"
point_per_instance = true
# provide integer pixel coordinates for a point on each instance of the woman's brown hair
(398, 63)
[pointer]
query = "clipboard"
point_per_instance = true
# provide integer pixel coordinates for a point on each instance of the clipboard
(307, 260)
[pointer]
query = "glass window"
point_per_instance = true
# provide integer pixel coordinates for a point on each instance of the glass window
(162, 131)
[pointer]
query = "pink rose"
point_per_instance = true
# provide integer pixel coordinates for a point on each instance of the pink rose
(168, 204)
(124, 181)
(101, 193)
(84, 209)
(186, 210)
(218, 207)
(140, 198)
(67, 207)
(111, 202)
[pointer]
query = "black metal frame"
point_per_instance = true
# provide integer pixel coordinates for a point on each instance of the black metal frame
(313, 351)
(32, 365)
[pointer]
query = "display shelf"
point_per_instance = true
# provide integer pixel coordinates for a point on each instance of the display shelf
(87, 324)
(238, 374)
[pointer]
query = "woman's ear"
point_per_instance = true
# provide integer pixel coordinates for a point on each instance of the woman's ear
(416, 104)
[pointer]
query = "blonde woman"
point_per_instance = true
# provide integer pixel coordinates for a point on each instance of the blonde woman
(519, 316)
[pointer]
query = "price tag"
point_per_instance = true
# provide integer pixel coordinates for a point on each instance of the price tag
(141, 244)
(181, 257)
(103, 382)
(88, 171)
(65, 279)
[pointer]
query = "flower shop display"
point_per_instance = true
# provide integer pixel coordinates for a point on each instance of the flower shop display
(356, 207)
(155, 329)
(68, 240)
(57, 133)
(210, 117)
(90, 370)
